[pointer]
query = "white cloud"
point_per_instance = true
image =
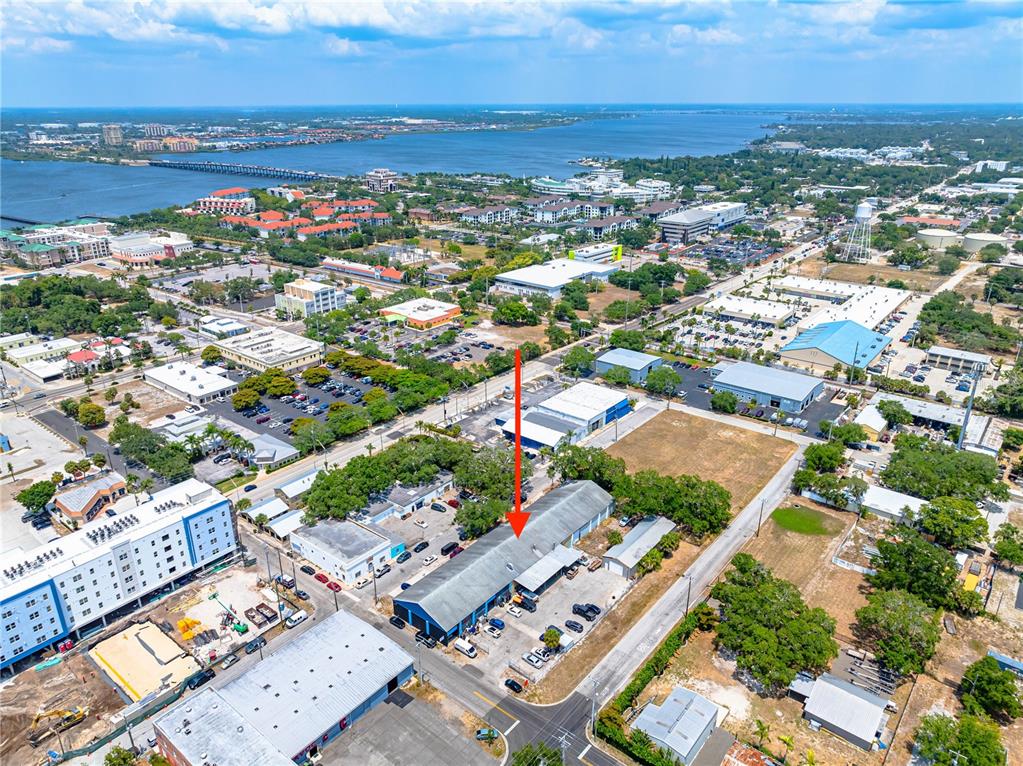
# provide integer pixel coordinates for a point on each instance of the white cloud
(576, 36)
(40, 44)
(341, 46)
(684, 34)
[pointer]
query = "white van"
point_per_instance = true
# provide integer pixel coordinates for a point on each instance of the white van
(465, 648)
(296, 619)
(362, 582)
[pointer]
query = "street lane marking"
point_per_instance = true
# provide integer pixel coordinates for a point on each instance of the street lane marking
(495, 705)
(511, 728)
(582, 755)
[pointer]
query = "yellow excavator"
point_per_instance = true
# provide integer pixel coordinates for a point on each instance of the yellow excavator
(66, 719)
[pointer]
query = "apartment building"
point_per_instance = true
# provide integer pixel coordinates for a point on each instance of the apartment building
(113, 135)
(381, 180)
(490, 215)
(69, 584)
(305, 297)
(234, 200)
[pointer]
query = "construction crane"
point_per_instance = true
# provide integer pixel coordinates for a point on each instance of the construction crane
(238, 626)
(67, 719)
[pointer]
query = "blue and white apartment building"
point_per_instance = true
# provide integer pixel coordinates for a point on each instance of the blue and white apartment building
(68, 585)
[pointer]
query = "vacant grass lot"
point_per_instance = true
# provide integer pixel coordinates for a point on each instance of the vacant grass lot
(804, 521)
(674, 443)
(922, 280)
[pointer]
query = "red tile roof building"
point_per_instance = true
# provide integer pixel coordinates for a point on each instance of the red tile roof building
(325, 230)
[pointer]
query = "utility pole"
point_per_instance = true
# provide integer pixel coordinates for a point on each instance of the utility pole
(760, 519)
(689, 592)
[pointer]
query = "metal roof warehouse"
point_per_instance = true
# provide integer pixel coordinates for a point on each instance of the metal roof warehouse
(291, 703)
(464, 589)
(788, 391)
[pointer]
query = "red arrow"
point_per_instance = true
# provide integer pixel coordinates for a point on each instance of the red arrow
(518, 517)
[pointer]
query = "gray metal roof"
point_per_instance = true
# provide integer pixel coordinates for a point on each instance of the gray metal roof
(346, 539)
(847, 707)
(768, 380)
(311, 683)
(81, 496)
(626, 357)
(958, 353)
(679, 722)
(640, 539)
(402, 496)
(688, 217)
(463, 583)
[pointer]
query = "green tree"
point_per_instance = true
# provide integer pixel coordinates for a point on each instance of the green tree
(312, 435)
(552, 639)
(99, 460)
(987, 689)
(903, 630)
(618, 375)
(91, 415)
(914, 565)
(211, 355)
(478, 518)
(572, 462)
(825, 458)
(119, 756)
(614, 537)
(849, 433)
(763, 732)
(314, 376)
(630, 339)
(110, 394)
(280, 385)
(1008, 546)
(724, 401)
(894, 413)
(663, 381)
(244, 399)
(260, 521)
(946, 265)
(36, 496)
(579, 360)
(924, 469)
(954, 523)
(515, 313)
(69, 407)
(943, 741)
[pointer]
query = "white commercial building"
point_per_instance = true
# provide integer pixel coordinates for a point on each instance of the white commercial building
(956, 359)
(65, 585)
(770, 313)
(623, 558)
(550, 277)
(48, 351)
(820, 289)
(272, 347)
(306, 297)
(221, 327)
(422, 313)
(693, 222)
(345, 550)
(600, 251)
(191, 383)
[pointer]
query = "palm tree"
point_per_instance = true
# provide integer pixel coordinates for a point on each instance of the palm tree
(10, 469)
(131, 483)
(194, 443)
(789, 743)
(146, 486)
(763, 732)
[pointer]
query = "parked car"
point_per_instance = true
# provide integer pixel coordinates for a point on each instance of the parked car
(255, 644)
(454, 503)
(533, 660)
(406, 585)
(200, 678)
(458, 549)
(422, 546)
(499, 624)
(228, 661)
(421, 524)
(486, 735)
(574, 626)
(426, 640)
(308, 570)
(319, 577)
(403, 557)
(447, 548)
(397, 622)
(301, 594)
(593, 608)
(439, 507)
(514, 611)
(492, 631)
(528, 605)
(429, 560)
(514, 685)
(383, 570)
(250, 487)
(334, 587)
(581, 611)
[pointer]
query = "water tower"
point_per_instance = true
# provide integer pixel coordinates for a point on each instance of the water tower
(856, 248)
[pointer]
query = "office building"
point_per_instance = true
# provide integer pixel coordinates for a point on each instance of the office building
(305, 297)
(71, 583)
(680, 725)
(845, 343)
(598, 252)
(190, 383)
(637, 363)
(550, 277)
(788, 391)
(449, 600)
(81, 502)
(268, 347)
(346, 550)
(113, 135)
(568, 416)
(422, 313)
(47, 351)
(753, 310)
(291, 704)
(685, 226)
(17, 340)
(382, 180)
(956, 360)
(221, 327)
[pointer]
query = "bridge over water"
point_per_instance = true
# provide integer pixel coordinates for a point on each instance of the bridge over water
(231, 168)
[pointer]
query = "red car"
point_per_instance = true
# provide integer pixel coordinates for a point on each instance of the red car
(458, 549)
(454, 503)
(334, 587)
(320, 577)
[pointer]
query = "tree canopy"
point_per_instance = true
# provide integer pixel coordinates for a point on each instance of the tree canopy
(916, 566)
(924, 469)
(954, 523)
(986, 689)
(902, 629)
(944, 741)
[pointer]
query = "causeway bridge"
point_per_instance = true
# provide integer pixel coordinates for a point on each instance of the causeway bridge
(231, 168)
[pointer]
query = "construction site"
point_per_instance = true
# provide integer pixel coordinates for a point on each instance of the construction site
(73, 698)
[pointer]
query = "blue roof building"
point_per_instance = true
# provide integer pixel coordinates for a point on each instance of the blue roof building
(846, 343)
(636, 362)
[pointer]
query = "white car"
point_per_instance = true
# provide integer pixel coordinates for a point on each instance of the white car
(429, 560)
(533, 660)
(514, 611)
(229, 660)
(421, 524)
(490, 630)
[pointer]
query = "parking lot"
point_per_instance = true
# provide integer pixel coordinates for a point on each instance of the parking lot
(500, 656)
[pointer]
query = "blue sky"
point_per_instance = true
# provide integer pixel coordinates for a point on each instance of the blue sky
(284, 52)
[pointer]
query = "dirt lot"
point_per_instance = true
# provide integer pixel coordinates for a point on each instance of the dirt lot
(922, 280)
(805, 560)
(674, 443)
(974, 287)
(75, 682)
(600, 301)
(510, 337)
(155, 404)
(468, 251)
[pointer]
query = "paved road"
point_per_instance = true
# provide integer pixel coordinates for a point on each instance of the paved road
(70, 430)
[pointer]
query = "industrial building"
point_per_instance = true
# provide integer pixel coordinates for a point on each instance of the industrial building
(984, 434)
(567, 416)
(306, 297)
(548, 278)
(889, 504)
(788, 391)
(956, 360)
(46, 351)
(623, 558)
(422, 313)
(268, 347)
(290, 705)
(345, 549)
(449, 600)
(637, 363)
(847, 711)
(197, 385)
(680, 725)
(685, 226)
(845, 343)
(755, 310)
(818, 289)
(66, 585)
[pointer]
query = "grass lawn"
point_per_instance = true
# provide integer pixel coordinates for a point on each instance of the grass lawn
(235, 481)
(805, 521)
